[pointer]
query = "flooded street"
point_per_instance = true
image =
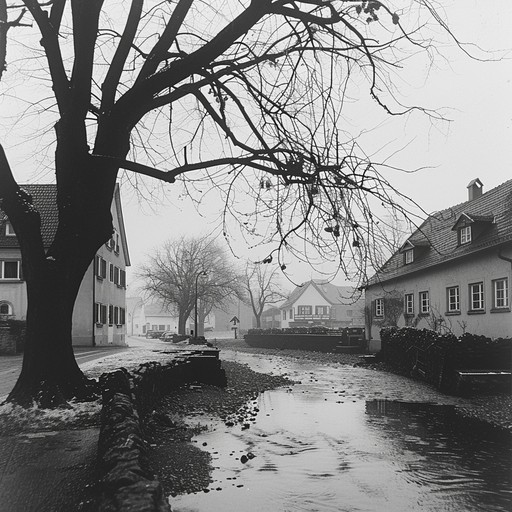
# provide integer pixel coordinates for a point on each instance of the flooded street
(349, 439)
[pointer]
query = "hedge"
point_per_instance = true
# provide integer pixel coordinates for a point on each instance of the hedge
(437, 357)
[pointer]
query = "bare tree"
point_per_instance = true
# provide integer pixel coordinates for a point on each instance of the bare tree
(262, 288)
(188, 272)
(248, 97)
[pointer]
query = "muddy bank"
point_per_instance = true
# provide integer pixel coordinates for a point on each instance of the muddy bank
(181, 466)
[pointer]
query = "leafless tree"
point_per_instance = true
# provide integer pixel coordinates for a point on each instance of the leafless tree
(182, 267)
(261, 283)
(244, 98)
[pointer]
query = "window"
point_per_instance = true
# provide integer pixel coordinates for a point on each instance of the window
(97, 313)
(284, 314)
(379, 308)
(465, 235)
(116, 248)
(500, 293)
(350, 313)
(409, 256)
(122, 278)
(9, 231)
(100, 267)
(5, 309)
(103, 314)
(122, 317)
(10, 270)
(424, 303)
(161, 327)
(409, 303)
(110, 315)
(322, 310)
(476, 296)
(111, 272)
(100, 313)
(116, 275)
(304, 310)
(291, 314)
(453, 299)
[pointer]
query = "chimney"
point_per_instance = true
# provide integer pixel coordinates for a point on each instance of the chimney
(475, 189)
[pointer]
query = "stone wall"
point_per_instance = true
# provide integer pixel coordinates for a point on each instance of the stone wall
(126, 482)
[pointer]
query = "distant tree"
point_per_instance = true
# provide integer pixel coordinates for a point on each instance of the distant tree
(261, 283)
(173, 272)
(245, 98)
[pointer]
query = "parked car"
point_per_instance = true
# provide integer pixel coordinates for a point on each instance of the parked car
(167, 336)
(153, 334)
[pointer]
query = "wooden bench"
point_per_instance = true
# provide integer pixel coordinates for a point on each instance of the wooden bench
(483, 380)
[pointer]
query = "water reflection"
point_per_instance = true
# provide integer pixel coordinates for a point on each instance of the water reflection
(319, 448)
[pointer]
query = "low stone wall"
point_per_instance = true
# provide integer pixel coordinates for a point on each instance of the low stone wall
(126, 482)
(315, 342)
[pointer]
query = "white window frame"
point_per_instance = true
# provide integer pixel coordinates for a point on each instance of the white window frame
(379, 308)
(322, 310)
(409, 303)
(2, 270)
(409, 256)
(465, 235)
(453, 299)
(424, 297)
(303, 310)
(9, 231)
(500, 292)
(477, 296)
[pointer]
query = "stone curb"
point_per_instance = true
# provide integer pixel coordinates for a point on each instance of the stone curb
(126, 483)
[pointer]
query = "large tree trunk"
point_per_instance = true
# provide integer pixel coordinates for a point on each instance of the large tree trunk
(50, 375)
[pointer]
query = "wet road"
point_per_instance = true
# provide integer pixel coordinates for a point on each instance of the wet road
(351, 439)
(10, 366)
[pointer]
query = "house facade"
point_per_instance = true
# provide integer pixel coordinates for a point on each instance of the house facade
(320, 303)
(150, 317)
(453, 274)
(99, 316)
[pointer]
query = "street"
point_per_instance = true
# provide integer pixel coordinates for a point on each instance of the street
(10, 366)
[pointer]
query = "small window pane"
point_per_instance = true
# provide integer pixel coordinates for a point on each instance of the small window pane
(11, 270)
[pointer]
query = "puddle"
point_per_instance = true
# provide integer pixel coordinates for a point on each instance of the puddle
(326, 448)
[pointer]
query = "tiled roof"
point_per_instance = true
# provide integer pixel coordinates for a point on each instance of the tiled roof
(44, 198)
(494, 208)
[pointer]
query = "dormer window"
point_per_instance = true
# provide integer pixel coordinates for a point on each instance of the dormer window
(409, 256)
(465, 235)
(9, 231)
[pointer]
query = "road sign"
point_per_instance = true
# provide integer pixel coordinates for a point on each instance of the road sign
(235, 320)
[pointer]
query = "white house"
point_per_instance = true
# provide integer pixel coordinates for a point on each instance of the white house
(453, 273)
(99, 315)
(321, 303)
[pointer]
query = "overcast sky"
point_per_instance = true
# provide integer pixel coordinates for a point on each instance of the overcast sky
(476, 143)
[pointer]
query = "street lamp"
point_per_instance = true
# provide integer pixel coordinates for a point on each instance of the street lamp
(202, 273)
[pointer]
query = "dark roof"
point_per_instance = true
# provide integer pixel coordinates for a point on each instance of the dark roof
(493, 209)
(330, 292)
(44, 199)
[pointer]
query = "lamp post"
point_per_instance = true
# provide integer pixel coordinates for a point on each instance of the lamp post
(202, 273)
